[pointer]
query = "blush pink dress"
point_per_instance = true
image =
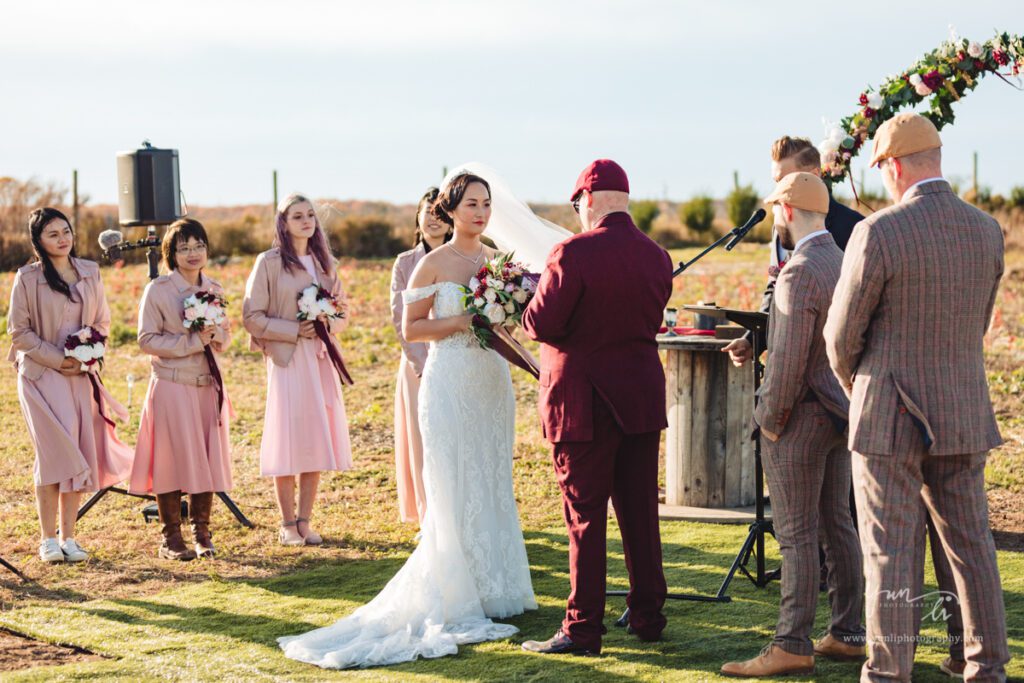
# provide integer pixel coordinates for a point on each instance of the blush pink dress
(305, 426)
(182, 446)
(74, 446)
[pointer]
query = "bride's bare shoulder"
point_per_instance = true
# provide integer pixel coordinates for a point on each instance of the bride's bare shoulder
(428, 269)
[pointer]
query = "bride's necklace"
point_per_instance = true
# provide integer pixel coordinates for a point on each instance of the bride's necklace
(458, 253)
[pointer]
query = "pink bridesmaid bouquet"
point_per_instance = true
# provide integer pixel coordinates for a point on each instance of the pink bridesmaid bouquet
(87, 347)
(315, 301)
(204, 309)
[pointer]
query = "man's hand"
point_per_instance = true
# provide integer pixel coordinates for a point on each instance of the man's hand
(770, 435)
(739, 350)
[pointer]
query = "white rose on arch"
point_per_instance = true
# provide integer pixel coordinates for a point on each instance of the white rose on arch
(975, 50)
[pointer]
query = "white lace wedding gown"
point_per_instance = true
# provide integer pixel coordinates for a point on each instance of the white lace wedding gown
(471, 562)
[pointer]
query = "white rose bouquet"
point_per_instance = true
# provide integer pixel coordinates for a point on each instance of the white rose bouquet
(318, 304)
(87, 347)
(204, 309)
(315, 301)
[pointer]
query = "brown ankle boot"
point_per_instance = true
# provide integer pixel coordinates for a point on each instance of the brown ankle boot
(173, 548)
(200, 505)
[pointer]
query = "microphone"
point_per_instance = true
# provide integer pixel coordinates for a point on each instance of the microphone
(110, 241)
(741, 232)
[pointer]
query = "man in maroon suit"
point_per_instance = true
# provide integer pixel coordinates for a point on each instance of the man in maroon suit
(597, 310)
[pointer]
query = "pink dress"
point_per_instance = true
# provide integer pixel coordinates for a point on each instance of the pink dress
(412, 497)
(305, 426)
(181, 444)
(74, 446)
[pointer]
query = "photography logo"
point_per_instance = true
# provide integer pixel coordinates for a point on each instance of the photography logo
(934, 606)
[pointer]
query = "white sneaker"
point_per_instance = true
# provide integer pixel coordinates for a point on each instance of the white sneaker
(72, 551)
(49, 551)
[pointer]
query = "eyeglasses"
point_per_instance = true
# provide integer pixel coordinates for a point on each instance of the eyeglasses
(198, 249)
(576, 203)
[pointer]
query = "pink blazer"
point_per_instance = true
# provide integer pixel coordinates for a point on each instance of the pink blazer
(162, 331)
(271, 307)
(36, 313)
(415, 352)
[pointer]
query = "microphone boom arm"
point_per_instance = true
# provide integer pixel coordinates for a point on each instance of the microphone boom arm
(734, 236)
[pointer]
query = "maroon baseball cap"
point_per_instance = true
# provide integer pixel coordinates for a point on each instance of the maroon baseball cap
(602, 175)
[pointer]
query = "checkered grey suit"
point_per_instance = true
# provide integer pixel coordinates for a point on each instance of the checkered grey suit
(808, 468)
(904, 336)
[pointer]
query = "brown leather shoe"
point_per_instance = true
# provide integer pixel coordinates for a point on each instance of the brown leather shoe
(173, 548)
(200, 505)
(773, 661)
(835, 649)
(954, 668)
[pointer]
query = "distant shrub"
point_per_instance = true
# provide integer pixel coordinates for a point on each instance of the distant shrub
(357, 237)
(644, 212)
(668, 238)
(235, 238)
(740, 203)
(1016, 199)
(698, 214)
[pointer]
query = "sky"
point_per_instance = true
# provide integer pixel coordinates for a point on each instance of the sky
(372, 100)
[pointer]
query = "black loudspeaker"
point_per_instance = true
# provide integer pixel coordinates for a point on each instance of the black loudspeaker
(148, 186)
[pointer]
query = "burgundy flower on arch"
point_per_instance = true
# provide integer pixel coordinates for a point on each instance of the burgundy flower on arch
(933, 79)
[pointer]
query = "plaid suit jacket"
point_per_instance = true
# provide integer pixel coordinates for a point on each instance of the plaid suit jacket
(905, 330)
(797, 363)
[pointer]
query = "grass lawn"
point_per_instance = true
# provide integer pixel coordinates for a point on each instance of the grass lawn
(218, 620)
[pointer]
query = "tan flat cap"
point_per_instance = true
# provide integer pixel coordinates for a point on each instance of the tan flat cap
(804, 191)
(903, 134)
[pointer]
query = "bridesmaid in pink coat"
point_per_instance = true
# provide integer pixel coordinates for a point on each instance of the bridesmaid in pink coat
(430, 234)
(305, 430)
(76, 446)
(183, 444)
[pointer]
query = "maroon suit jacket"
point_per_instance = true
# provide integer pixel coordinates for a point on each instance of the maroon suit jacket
(597, 310)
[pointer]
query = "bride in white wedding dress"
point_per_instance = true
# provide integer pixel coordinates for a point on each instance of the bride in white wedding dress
(470, 564)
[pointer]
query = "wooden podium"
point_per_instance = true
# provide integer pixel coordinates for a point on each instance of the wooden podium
(709, 456)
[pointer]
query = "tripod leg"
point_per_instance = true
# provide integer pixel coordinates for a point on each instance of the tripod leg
(242, 519)
(95, 498)
(14, 570)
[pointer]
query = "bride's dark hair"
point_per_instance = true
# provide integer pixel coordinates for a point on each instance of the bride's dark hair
(451, 195)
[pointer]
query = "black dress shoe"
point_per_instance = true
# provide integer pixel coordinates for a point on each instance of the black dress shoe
(559, 644)
(633, 632)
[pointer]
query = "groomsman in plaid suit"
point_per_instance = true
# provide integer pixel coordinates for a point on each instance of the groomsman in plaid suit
(904, 336)
(802, 416)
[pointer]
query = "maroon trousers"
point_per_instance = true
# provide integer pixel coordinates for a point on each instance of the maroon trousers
(623, 467)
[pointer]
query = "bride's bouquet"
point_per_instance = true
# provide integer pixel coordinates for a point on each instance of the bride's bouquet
(87, 347)
(497, 296)
(204, 309)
